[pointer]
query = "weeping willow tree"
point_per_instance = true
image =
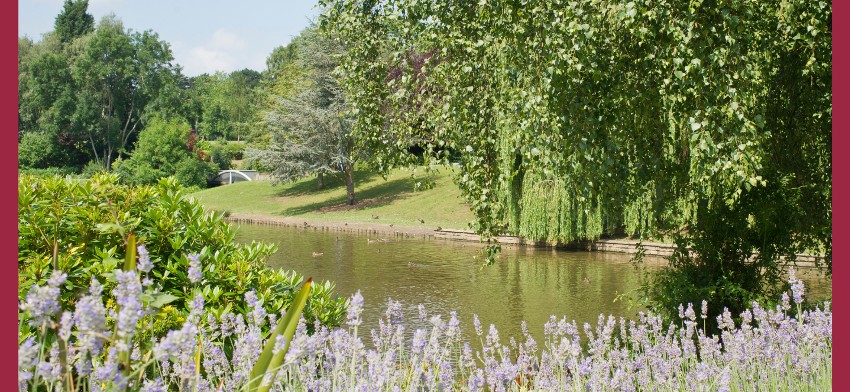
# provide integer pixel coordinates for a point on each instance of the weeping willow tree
(709, 121)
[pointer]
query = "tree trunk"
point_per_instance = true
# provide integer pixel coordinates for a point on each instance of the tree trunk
(320, 181)
(349, 184)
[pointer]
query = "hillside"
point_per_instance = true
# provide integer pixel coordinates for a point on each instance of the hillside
(390, 201)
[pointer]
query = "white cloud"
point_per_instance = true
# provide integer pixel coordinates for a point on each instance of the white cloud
(225, 40)
(204, 60)
(222, 51)
(105, 3)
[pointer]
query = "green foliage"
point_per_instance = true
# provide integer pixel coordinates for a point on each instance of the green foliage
(48, 172)
(220, 155)
(271, 358)
(90, 221)
(74, 20)
(576, 118)
(91, 169)
(227, 104)
(119, 77)
(161, 151)
(38, 150)
(193, 172)
(310, 131)
(88, 92)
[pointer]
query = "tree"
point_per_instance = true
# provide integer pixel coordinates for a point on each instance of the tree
(573, 120)
(119, 76)
(162, 151)
(74, 21)
(309, 129)
(226, 104)
(46, 103)
(241, 90)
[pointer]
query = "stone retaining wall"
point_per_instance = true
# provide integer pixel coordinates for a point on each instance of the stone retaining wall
(601, 245)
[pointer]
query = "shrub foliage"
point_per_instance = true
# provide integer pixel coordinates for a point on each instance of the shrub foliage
(82, 226)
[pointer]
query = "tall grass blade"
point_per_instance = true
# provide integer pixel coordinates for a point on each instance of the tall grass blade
(130, 256)
(269, 362)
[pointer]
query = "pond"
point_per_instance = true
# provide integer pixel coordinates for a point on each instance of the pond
(526, 283)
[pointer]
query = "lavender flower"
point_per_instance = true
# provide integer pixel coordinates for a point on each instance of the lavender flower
(176, 342)
(797, 287)
(65, 324)
(423, 314)
(355, 308)
(127, 294)
(145, 265)
(196, 307)
(770, 348)
(195, 273)
(42, 302)
(27, 358)
(279, 344)
(90, 320)
(157, 385)
(689, 313)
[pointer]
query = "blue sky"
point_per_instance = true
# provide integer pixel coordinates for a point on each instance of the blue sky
(205, 35)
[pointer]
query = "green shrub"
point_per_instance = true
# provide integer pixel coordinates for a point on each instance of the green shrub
(161, 152)
(92, 168)
(235, 150)
(221, 156)
(194, 172)
(41, 150)
(49, 172)
(89, 222)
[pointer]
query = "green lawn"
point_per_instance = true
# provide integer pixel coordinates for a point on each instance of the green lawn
(392, 200)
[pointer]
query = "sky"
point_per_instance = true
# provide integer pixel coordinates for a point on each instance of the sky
(205, 35)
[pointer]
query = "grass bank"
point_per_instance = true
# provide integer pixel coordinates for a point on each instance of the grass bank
(391, 201)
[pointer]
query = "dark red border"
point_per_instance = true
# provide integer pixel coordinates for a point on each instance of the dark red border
(9, 210)
(840, 227)
(9, 197)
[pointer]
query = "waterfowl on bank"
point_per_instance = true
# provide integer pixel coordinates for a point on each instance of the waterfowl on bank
(371, 241)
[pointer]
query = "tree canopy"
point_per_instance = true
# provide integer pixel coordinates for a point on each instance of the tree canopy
(703, 120)
(309, 127)
(74, 21)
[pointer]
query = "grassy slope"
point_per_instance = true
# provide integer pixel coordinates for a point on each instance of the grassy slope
(392, 200)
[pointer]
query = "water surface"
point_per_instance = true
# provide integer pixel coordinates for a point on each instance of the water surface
(529, 284)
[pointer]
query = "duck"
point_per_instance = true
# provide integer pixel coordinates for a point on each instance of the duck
(371, 241)
(317, 254)
(586, 280)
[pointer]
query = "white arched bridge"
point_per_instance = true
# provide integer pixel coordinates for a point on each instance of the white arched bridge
(225, 177)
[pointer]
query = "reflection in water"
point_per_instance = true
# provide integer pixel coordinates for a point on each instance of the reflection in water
(525, 284)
